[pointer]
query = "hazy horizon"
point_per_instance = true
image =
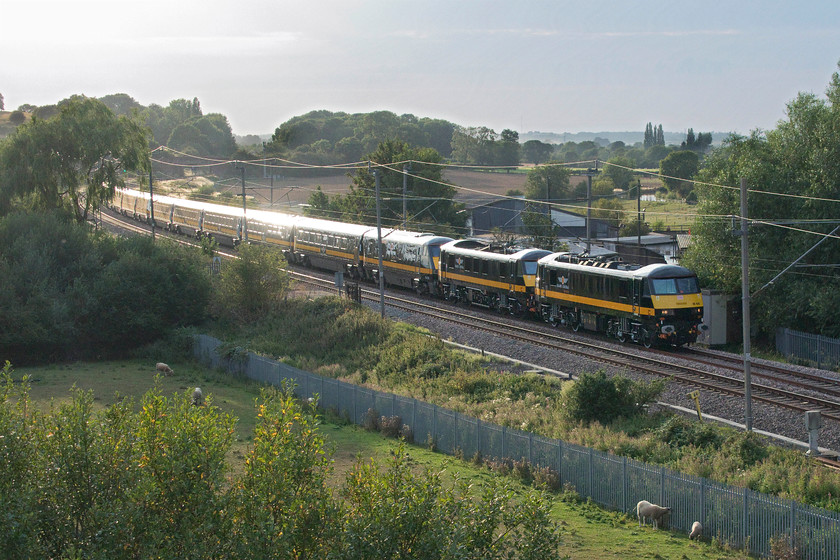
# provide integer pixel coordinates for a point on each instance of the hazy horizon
(528, 66)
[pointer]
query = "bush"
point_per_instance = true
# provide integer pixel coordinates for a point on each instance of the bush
(389, 426)
(371, 420)
(679, 431)
(597, 397)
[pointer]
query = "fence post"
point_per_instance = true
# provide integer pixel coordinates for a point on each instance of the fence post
(746, 515)
(661, 485)
(434, 424)
(504, 442)
(478, 435)
(591, 470)
(792, 524)
(819, 352)
(560, 461)
(624, 484)
(531, 448)
(703, 501)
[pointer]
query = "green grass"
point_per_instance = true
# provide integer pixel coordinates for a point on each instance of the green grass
(587, 531)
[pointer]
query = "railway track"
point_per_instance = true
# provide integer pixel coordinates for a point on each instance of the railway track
(817, 393)
(650, 362)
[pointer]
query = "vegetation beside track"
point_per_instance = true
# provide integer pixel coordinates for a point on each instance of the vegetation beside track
(338, 339)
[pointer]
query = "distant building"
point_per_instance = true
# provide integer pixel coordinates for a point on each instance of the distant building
(503, 215)
(506, 215)
(647, 249)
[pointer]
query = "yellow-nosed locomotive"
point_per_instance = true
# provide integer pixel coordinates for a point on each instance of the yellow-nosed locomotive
(658, 303)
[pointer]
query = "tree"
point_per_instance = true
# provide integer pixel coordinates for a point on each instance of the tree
(537, 152)
(548, 182)
(287, 508)
(74, 161)
(2, 103)
(473, 145)
(620, 170)
(679, 165)
(253, 285)
(649, 139)
(121, 103)
(508, 148)
(430, 203)
(17, 117)
(796, 169)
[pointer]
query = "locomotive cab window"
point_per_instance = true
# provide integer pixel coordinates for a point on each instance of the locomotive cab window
(673, 286)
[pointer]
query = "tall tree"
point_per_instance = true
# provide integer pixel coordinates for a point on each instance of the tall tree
(547, 183)
(537, 152)
(74, 161)
(620, 170)
(677, 168)
(508, 149)
(649, 138)
(794, 175)
(430, 203)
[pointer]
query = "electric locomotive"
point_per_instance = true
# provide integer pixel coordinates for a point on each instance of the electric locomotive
(657, 303)
(472, 274)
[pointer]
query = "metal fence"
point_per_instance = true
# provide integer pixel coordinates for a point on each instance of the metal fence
(737, 517)
(816, 350)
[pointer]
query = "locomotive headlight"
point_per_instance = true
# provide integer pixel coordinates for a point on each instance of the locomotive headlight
(665, 312)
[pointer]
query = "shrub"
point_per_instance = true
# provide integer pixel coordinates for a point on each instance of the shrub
(371, 420)
(389, 426)
(679, 431)
(407, 433)
(597, 397)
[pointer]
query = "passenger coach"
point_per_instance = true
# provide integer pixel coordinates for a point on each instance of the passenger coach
(410, 258)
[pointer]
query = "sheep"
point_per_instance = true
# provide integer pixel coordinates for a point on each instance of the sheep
(198, 397)
(645, 510)
(164, 369)
(696, 530)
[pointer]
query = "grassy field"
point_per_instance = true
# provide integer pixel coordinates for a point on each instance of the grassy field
(587, 531)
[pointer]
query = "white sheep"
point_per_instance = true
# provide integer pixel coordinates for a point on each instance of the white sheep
(645, 510)
(198, 397)
(696, 530)
(164, 369)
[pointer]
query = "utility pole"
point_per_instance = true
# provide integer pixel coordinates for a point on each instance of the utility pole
(745, 306)
(406, 168)
(589, 174)
(639, 218)
(379, 246)
(244, 218)
(152, 205)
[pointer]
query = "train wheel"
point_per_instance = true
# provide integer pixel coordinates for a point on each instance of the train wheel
(647, 339)
(575, 325)
(622, 337)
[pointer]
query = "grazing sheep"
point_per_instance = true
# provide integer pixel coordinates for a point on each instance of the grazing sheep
(696, 530)
(164, 369)
(198, 397)
(645, 510)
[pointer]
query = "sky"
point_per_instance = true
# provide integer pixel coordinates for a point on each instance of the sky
(525, 65)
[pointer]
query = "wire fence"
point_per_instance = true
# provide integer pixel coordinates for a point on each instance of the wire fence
(736, 517)
(813, 349)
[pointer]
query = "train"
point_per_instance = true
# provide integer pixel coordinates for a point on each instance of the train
(657, 304)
